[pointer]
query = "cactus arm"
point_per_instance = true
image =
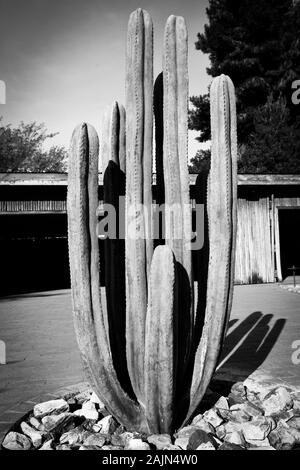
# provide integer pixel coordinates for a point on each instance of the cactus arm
(148, 134)
(182, 130)
(136, 248)
(178, 209)
(84, 267)
(122, 139)
(176, 135)
(171, 162)
(234, 185)
(222, 217)
(159, 341)
(79, 255)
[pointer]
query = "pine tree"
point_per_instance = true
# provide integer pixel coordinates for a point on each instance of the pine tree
(256, 43)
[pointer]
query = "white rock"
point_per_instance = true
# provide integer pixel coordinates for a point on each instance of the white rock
(256, 430)
(137, 444)
(238, 413)
(182, 442)
(97, 427)
(197, 418)
(108, 425)
(252, 409)
(36, 424)
(95, 399)
(296, 404)
(47, 445)
(183, 436)
(261, 448)
(126, 437)
(82, 397)
(212, 417)
(221, 431)
(73, 436)
(88, 410)
(262, 443)
(160, 441)
(52, 421)
(204, 426)
(222, 404)
(110, 447)
(94, 440)
(33, 434)
(230, 427)
(276, 401)
(235, 438)
(172, 447)
(187, 431)
(206, 446)
(50, 407)
(16, 441)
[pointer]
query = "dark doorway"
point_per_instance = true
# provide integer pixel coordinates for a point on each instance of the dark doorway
(289, 226)
(34, 253)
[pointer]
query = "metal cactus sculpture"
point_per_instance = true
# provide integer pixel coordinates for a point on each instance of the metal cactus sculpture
(149, 362)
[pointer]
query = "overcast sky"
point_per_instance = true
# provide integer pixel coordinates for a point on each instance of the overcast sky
(63, 61)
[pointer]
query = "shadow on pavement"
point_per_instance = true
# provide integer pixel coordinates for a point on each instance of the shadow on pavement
(249, 344)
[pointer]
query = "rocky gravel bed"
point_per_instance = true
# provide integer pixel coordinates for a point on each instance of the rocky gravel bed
(244, 420)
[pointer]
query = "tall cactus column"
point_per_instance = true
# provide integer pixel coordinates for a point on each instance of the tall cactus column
(139, 84)
(178, 210)
(221, 202)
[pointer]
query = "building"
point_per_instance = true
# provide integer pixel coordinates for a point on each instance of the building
(33, 221)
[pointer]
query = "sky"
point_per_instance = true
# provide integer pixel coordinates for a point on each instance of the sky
(63, 61)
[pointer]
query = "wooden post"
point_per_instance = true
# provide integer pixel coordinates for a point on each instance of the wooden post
(272, 218)
(277, 246)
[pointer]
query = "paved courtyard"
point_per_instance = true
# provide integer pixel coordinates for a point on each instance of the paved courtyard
(42, 355)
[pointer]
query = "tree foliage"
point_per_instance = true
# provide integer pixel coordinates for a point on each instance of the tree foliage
(21, 149)
(201, 162)
(274, 146)
(256, 43)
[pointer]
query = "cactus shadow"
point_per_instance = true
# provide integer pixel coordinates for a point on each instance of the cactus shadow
(183, 325)
(249, 344)
(114, 276)
(201, 260)
(245, 349)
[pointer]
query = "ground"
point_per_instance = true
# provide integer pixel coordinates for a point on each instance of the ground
(42, 355)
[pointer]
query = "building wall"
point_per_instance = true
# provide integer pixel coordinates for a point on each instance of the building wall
(254, 260)
(258, 253)
(258, 235)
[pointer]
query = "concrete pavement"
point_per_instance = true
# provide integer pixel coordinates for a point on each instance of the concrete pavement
(42, 353)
